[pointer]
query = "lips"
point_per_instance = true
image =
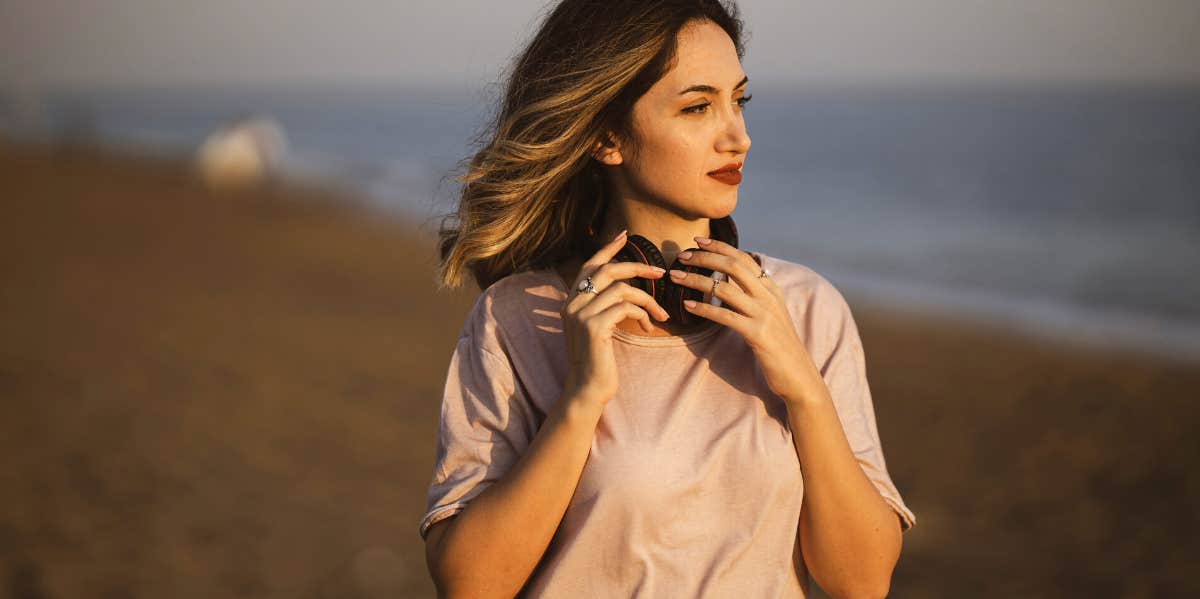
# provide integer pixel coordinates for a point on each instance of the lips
(730, 174)
(727, 177)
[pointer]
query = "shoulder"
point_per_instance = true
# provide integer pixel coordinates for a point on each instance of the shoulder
(802, 284)
(498, 319)
(815, 303)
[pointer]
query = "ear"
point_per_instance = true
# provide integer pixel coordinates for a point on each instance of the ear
(607, 151)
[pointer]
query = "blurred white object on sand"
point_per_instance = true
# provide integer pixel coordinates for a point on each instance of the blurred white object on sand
(244, 152)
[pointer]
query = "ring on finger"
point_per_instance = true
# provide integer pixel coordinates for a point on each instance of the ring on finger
(586, 286)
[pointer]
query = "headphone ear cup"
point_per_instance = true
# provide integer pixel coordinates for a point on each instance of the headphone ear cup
(669, 294)
(643, 251)
(676, 294)
(722, 229)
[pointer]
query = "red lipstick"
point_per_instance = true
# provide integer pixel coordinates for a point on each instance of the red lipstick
(730, 174)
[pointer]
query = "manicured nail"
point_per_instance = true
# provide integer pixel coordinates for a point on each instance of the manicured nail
(689, 303)
(677, 274)
(702, 240)
(657, 270)
(685, 255)
(621, 234)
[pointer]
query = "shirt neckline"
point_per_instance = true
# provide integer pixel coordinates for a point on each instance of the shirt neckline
(647, 340)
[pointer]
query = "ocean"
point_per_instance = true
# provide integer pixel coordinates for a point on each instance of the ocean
(1067, 212)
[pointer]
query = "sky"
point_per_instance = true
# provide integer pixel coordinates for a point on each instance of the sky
(167, 43)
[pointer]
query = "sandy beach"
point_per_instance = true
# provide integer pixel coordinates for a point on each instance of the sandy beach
(234, 394)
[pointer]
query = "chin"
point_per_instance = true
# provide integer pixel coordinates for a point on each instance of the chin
(720, 207)
(711, 206)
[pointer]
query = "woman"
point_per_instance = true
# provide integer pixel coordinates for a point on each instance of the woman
(592, 444)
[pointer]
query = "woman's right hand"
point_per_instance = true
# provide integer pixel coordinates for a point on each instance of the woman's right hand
(589, 318)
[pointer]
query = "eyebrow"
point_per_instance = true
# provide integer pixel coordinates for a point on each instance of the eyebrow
(712, 90)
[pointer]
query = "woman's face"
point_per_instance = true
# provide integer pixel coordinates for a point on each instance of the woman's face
(683, 133)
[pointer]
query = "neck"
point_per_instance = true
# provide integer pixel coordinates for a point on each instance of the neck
(669, 231)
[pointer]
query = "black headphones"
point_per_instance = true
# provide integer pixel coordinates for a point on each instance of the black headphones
(664, 290)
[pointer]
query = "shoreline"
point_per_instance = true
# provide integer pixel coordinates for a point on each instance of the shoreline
(1038, 320)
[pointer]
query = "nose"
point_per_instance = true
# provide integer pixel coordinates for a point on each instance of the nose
(734, 138)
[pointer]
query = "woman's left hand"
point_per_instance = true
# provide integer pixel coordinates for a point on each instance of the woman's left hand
(759, 312)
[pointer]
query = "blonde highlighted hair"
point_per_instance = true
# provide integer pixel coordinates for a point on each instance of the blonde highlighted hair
(532, 189)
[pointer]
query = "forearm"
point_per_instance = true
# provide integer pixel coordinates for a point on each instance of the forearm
(849, 536)
(495, 543)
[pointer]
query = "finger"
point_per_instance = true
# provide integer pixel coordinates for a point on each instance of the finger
(720, 256)
(773, 287)
(767, 281)
(720, 247)
(724, 316)
(730, 295)
(607, 277)
(602, 256)
(622, 292)
(640, 298)
(618, 312)
(604, 276)
(613, 271)
(703, 259)
(605, 253)
(735, 272)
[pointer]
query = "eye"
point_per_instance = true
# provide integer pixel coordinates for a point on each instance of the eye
(741, 102)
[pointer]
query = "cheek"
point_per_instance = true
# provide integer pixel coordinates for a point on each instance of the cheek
(673, 161)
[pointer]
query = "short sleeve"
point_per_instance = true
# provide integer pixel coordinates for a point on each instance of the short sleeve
(845, 374)
(484, 426)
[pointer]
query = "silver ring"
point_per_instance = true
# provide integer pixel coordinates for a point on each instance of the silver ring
(586, 286)
(713, 293)
(764, 273)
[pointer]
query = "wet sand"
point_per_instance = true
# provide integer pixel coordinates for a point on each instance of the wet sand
(235, 394)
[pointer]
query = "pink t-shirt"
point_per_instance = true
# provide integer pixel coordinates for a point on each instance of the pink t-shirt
(692, 487)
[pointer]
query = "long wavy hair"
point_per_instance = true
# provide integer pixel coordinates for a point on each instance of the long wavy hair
(532, 192)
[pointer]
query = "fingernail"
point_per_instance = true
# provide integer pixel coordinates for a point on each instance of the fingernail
(689, 303)
(621, 234)
(677, 274)
(702, 240)
(685, 255)
(657, 270)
